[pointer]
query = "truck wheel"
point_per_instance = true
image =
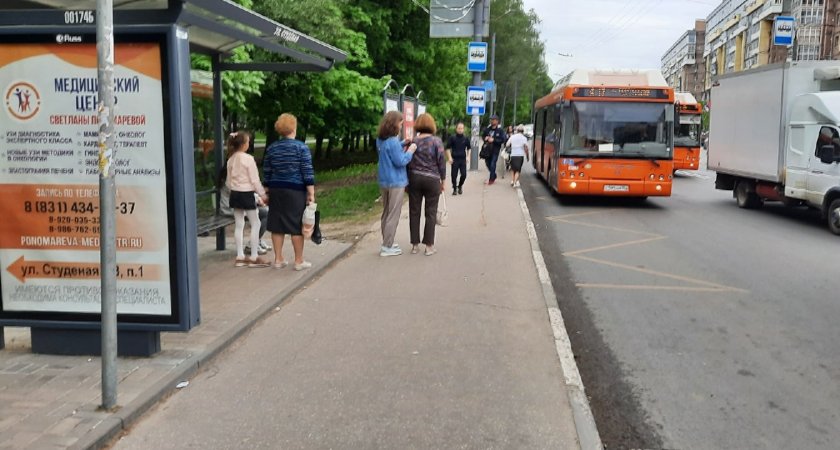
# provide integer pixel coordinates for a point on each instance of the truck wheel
(745, 198)
(834, 216)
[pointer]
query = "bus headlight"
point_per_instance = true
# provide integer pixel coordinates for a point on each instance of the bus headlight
(572, 185)
(658, 187)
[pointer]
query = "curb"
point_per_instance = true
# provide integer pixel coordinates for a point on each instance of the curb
(112, 426)
(587, 431)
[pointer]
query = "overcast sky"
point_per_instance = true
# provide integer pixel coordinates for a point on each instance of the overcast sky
(613, 33)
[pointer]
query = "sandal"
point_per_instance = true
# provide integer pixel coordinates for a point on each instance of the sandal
(259, 262)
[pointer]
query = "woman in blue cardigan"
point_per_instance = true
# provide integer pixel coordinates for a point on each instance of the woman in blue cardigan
(290, 178)
(393, 159)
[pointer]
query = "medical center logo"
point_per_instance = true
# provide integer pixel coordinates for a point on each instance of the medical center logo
(22, 100)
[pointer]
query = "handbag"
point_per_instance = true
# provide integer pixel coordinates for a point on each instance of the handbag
(316, 232)
(486, 150)
(506, 154)
(442, 217)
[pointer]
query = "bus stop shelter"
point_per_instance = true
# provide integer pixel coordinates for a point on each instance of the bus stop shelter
(211, 27)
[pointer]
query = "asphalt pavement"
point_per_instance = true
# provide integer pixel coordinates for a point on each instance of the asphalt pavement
(716, 326)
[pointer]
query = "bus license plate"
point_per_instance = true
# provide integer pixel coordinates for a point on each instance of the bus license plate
(616, 188)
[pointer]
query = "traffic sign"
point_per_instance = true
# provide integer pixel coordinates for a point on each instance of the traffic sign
(476, 100)
(783, 30)
(477, 57)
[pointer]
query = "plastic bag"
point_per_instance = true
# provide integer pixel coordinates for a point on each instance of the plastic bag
(442, 216)
(309, 220)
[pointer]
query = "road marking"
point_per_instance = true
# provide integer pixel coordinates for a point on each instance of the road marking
(687, 173)
(605, 227)
(650, 287)
(704, 286)
(658, 273)
(567, 216)
(606, 247)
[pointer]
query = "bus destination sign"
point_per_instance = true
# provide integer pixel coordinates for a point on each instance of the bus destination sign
(660, 94)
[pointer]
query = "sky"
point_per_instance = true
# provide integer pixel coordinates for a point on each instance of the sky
(606, 34)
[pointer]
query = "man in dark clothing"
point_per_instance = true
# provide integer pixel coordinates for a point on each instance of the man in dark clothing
(458, 147)
(495, 135)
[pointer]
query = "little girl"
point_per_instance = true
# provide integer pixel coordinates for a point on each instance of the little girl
(243, 179)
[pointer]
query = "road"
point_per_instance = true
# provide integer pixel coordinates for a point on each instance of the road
(697, 324)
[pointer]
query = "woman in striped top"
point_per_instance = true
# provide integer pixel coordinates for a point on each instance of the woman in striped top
(288, 172)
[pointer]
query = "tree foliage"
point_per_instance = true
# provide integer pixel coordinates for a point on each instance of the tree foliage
(383, 40)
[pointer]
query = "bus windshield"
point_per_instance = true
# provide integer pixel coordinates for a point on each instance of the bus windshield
(687, 132)
(620, 130)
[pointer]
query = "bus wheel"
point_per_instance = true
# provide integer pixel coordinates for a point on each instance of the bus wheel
(745, 197)
(834, 216)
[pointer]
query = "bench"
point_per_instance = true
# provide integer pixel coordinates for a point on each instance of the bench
(213, 222)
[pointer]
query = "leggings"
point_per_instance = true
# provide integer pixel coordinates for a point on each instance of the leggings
(239, 229)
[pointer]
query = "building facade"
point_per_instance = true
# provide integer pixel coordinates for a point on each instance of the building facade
(739, 35)
(683, 64)
(830, 43)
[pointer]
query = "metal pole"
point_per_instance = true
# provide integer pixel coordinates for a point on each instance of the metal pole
(504, 104)
(478, 25)
(107, 199)
(218, 138)
(515, 95)
(493, 74)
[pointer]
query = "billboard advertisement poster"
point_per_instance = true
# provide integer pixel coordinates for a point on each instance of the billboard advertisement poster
(49, 166)
(408, 119)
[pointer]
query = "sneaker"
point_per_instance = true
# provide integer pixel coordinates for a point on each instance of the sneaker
(516, 185)
(511, 184)
(390, 251)
(430, 251)
(460, 190)
(415, 249)
(266, 246)
(303, 265)
(491, 182)
(240, 262)
(454, 191)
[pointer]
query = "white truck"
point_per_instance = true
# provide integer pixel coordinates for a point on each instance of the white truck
(775, 136)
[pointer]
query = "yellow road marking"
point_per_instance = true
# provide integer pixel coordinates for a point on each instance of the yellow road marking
(658, 273)
(604, 227)
(588, 213)
(704, 286)
(606, 247)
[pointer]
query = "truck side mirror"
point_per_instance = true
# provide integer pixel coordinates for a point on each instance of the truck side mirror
(826, 154)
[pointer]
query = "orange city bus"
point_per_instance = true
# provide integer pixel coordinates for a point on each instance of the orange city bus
(606, 132)
(686, 132)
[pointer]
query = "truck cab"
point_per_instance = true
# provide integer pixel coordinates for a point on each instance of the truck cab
(813, 152)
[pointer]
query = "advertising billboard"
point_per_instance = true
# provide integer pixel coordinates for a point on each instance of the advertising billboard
(49, 166)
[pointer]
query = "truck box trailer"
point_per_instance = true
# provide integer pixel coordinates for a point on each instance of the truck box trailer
(775, 136)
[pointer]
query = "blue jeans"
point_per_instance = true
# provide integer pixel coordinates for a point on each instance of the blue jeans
(491, 164)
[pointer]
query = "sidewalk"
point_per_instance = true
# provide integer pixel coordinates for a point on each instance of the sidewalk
(458, 349)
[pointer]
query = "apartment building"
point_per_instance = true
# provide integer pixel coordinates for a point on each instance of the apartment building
(683, 64)
(830, 42)
(739, 35)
